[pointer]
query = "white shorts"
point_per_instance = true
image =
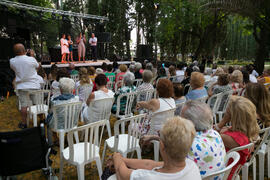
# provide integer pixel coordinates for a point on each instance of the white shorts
(25, 98)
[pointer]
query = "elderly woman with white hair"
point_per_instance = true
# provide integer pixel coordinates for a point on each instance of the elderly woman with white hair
(66, 86)
(207, 149)
(137, 73)
(146, 85)
(127, 87)
(176, 138)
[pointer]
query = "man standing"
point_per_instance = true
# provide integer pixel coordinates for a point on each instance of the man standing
(26, 78)
(93, 43)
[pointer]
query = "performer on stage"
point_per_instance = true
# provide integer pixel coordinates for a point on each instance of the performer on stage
(93, 43)
(81, 47)
(64, 48)
(70, 42)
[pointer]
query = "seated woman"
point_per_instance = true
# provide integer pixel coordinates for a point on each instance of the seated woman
(92, 73)
(241, 113)
(163, 103)
(179, 97)
(197, 84)
(127, 87)
(176, 138)
(222, 85)
(66, 86)
(265, 79)
(260, 97)
(62, 72)
(123, 68)
(146, 85)
(236, 80)
(84, 86)
(207, 149)
(90, 113)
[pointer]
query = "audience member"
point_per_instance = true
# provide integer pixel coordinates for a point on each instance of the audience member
(163, 103)
(197, 84)
(146, 85)
(110, 74)
(252, 78)
(265, 79)
(222, 85)
(82, 86)
(241, 113)
(92, 113)
(260, 97)
(62, 72)
(179, 97)
(176, 138)
(92, 73)
(123, 69)
(137, 73)
(26, 78)
(72, 70)
(236, 80)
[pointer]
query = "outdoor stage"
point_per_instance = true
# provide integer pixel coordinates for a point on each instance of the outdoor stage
(87, 63)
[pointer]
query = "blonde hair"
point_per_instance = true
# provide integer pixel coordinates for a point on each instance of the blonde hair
(177, 135)
(84, 78)
(260, 97)
(243, 116)
(237, 76)
(197, 80)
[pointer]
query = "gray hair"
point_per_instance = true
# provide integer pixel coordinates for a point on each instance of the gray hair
(149, 66)
(138, 66)
(66, 85)
(128, 78)
(147, 76)
(199, 113)
(132, 68)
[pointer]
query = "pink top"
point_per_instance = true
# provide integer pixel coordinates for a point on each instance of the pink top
(241, 139)
(119, 76)
(64, 46)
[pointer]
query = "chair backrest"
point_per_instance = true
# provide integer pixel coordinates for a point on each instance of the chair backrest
(110, 85)
(177, 79)
(117, 84)
(179, 108)
(213, 102)
(93, 133)
(103, 106)
(130, 102)
(202, 99)
(134, 133)
(22, 151)
(75, 77)
(224, 99)
(138, 82)
(145, 95)
(159, 118)
(226, 171)
(85, 90)
(66, 116)
(47, 85)
(40, 100)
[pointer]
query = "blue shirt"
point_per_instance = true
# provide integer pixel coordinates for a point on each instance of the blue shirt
(196, 94)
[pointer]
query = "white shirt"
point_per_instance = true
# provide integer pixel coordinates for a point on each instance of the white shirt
(190, 172)
(26, 73)
(180, 73)
(252, 78)
(254, 73)
(93, 41)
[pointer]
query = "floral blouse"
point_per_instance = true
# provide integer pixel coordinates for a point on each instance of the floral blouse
(208, 152)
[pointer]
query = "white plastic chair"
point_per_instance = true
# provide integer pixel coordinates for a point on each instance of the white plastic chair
(155, 121)
(138, 82)
(40, 105)
(249, 147)
(81, 153)
(117, 85)
(213, 103)
(226, 171)
(69, 114)
(130, 101)
(103, 106)
(75, 77)
(145, 95)
(110, 85)
(222, 104)
(125, 143)
(202, 99)
(265, 149)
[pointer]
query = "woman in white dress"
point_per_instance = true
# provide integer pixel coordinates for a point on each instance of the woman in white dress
(81, 46)
(64, 48)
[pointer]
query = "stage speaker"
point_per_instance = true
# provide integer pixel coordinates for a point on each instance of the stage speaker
(23, 33)
(12, 26)
(104, 37)
(144, 51)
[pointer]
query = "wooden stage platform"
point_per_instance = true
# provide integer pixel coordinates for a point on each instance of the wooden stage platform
(87, 63)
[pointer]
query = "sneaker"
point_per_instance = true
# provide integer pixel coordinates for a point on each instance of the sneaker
(22, 126)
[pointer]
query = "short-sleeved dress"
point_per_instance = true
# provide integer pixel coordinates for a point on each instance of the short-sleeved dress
(64, 46)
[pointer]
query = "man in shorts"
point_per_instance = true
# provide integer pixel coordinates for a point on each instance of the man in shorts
(26, 78)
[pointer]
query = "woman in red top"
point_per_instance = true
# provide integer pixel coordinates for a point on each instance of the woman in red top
(241, 113)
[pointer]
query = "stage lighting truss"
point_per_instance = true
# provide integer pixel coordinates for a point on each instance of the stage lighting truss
(50, 10)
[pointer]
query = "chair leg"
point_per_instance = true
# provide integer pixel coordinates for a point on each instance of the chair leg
(245, 172)
(139, 154)
(80, 172)
(99, 167)
(104, 152)
(34, 120)
(108, 128)
(254, 169)
(261, 165)
(76, 135)
(156, 150)
(61, 139)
